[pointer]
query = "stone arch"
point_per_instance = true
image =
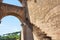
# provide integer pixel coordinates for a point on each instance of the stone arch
(7, 9)
(26, 35)
(16, 15)
(19, 12)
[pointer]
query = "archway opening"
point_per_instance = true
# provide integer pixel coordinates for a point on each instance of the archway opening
(10, 28)
(13, 2)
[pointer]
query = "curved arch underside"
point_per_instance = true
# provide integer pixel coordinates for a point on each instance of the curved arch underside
(7, 9)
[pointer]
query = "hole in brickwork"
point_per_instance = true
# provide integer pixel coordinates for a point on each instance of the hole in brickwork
(35, 1)
(47, 38)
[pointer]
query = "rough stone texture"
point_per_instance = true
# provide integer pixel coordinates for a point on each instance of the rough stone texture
(45, 14)
(39, 35)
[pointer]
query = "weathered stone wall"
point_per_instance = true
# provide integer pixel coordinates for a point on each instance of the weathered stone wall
(45, 14)
(1, 0)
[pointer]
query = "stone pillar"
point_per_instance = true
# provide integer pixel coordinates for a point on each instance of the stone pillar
(26, 33)
(23, 32)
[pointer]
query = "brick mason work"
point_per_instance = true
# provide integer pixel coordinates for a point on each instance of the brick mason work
(45, 14)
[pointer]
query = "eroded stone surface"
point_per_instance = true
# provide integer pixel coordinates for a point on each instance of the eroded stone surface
(45, 14)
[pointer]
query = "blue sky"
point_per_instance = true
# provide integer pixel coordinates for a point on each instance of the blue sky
(13, 2)
(10, 23)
